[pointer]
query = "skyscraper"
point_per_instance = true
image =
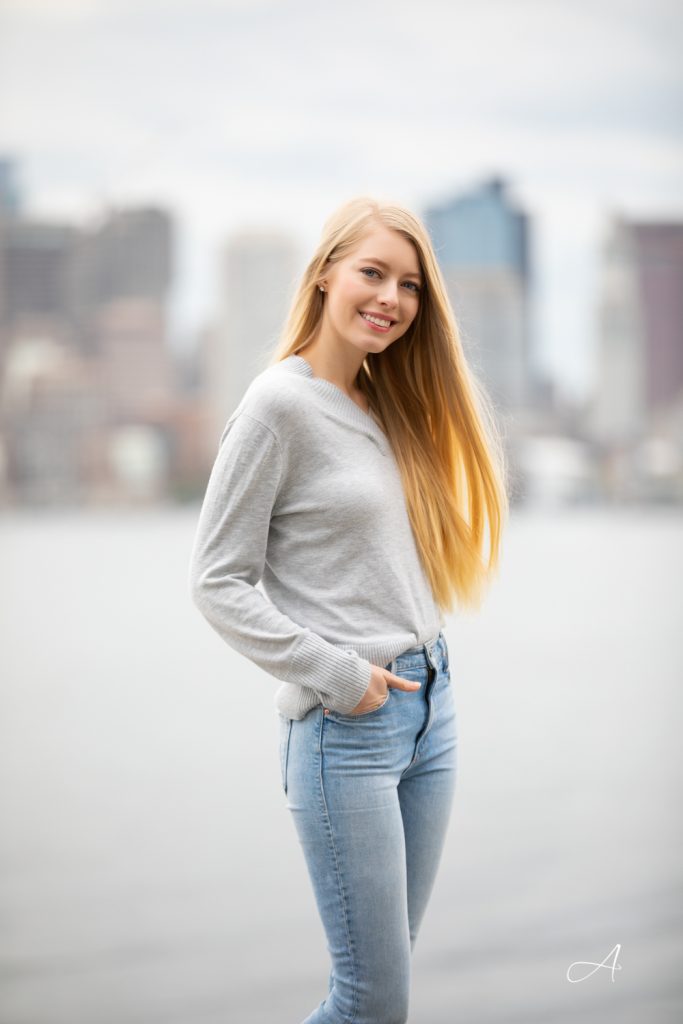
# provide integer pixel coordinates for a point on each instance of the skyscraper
(481, 242)
(257, 279)
(640, 348)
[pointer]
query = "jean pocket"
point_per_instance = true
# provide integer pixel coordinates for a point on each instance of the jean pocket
(285, 736)
(364, 714)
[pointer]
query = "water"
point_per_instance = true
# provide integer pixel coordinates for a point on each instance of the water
(150, 872)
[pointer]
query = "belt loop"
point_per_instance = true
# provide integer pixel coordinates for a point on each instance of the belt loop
(429, 648)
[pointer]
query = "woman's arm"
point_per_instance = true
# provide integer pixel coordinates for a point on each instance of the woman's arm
(227, 562)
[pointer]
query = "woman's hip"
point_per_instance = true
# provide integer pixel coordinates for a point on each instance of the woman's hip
(373, 749)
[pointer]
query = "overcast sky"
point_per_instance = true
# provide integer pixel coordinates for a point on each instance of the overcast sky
(249, 112)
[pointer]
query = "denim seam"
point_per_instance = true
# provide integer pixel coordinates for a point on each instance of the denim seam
(430, 713)
(342, 890)
(285, 766)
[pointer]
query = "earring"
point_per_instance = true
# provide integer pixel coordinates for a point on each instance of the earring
(320, 288)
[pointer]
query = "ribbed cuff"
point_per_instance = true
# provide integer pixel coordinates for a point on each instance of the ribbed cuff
(340, 677)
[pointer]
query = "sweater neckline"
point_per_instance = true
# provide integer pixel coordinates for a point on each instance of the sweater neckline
(341, 402)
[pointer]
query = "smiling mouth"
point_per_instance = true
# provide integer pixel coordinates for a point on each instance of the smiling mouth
(377, 321)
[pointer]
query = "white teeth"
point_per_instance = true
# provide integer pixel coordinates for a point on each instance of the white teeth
(375, 320)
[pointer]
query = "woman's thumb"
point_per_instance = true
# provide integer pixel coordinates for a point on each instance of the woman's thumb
(403, 684)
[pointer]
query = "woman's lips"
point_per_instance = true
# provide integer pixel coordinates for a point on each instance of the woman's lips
(375, 327)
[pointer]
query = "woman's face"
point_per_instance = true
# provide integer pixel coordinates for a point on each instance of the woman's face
(379, 278)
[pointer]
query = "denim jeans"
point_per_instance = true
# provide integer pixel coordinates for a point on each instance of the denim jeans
(371, 797)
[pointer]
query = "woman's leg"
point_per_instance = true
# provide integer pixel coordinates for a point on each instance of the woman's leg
(371, 797)
(425, 793)
(345, 806)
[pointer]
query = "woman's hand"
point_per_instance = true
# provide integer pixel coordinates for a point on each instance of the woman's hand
(380, 681)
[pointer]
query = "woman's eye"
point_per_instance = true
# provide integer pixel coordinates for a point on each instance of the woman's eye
(412, 286)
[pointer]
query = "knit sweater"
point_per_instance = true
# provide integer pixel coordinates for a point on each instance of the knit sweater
(304, 559)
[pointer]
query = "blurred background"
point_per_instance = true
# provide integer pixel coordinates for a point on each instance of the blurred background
(165, 170)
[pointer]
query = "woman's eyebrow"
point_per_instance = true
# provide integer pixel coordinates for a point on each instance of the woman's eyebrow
(374, 259)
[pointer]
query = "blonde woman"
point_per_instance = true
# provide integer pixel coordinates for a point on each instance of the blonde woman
(361, 479)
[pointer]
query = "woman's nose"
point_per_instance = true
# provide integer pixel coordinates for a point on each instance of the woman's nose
(388, 293)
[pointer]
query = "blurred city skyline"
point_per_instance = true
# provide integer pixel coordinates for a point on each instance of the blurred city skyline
(238, 115)
(172, 166)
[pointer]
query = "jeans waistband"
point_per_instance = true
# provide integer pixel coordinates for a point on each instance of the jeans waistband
(427, 647)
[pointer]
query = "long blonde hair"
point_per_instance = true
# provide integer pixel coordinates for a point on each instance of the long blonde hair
(437, 415)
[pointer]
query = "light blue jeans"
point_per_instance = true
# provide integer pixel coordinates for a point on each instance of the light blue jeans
(371, 797)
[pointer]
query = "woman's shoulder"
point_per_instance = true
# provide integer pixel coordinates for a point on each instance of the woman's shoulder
(271, 398)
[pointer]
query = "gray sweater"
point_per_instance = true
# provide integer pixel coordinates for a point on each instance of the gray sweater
(304, 559)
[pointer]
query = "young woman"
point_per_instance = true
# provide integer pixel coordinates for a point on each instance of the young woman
(356, 481)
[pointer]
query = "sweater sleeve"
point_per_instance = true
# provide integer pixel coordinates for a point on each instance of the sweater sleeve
(227, 561)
